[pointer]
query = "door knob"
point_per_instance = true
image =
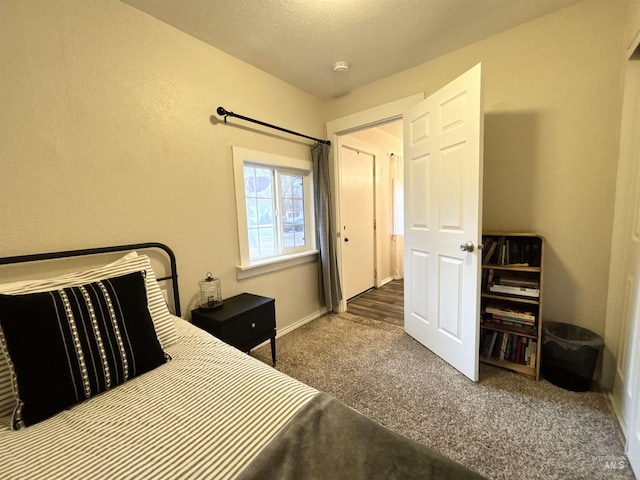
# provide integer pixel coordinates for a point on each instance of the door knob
(467, 247)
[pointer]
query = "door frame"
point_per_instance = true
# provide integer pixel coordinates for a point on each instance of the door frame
(341, 126)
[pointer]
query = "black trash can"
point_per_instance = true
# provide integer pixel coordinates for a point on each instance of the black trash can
(569, 355)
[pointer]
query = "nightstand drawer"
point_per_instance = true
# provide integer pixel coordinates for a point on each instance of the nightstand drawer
(251, 325)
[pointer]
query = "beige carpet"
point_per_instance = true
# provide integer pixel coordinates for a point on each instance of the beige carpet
(505, 426)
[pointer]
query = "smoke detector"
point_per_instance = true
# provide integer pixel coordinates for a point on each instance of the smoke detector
(340, 67)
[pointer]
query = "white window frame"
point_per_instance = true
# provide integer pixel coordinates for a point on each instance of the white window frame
(287, 166)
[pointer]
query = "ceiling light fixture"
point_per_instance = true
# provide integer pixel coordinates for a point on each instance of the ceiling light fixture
(340, 67)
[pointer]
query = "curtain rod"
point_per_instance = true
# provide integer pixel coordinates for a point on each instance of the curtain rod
(227, 113)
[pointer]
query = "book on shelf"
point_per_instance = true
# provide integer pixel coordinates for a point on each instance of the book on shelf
(515, 328)
(492, 341)
(503, 347)
(510, 312)
(511, 290)
(487, 278)
(489, 251)
(514, 280)
(510, 348)
(506, 320)
(508, 316)
(500, 257)
(511, 251)
(511, 351)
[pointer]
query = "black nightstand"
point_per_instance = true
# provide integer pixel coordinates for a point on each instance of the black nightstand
(244, 321)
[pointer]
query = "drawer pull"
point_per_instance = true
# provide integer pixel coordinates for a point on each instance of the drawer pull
(253, 325)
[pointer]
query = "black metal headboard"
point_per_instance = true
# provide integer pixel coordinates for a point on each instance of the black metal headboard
(173, 276)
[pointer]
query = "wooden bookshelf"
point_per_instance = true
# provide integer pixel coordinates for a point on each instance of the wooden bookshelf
(511, 301)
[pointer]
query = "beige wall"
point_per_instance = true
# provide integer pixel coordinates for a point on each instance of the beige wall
(106, 138)
(552, 114)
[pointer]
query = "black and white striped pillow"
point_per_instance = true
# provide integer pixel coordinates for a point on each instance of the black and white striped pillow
(132, 262)
(64, 346)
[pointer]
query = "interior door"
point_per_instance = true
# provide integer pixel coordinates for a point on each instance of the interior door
(443, 214)
(357, 215)
(633, 427)
(626, 283)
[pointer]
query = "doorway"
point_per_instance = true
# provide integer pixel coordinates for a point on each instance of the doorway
(443, 141)
(371, 207)
(359, 124)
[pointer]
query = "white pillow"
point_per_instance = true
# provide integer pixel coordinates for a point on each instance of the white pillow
(132, 262)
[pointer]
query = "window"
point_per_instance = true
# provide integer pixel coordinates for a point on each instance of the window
(274, 198)
(275, 210)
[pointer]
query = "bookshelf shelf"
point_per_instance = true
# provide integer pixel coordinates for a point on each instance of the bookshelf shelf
(532, 372)
(511, 298)
(511, 301)
(524, 331)
(512, 268)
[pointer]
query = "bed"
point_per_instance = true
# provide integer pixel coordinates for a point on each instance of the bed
(99, 380)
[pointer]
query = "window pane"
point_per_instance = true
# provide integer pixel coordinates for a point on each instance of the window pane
(260, 206)
(285, 186)
(297, 187)
(249, 181)
(257, 182)
(288, 239)
(287, 210)
(265, 212)
(263, 186)
(252, 212)
(298, 211)
(292, 206)
(299, 223)
(267, 241)
(254, 249)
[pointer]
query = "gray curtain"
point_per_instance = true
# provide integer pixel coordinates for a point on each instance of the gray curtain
(330, 289)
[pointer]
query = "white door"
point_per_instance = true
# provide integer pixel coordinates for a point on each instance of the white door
(443, 210)
(625, 279)
(633, 427)
(357, 215)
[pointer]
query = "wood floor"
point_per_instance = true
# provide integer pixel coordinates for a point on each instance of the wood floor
(385, 303)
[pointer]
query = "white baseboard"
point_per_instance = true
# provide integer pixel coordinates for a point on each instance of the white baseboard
(295, 325)
(385, 281)
(301, 322)
(616, 411)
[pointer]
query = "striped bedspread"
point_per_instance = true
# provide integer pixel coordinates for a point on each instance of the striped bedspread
(206, 414)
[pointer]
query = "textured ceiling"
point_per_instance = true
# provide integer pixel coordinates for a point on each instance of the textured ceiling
(298, 41)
